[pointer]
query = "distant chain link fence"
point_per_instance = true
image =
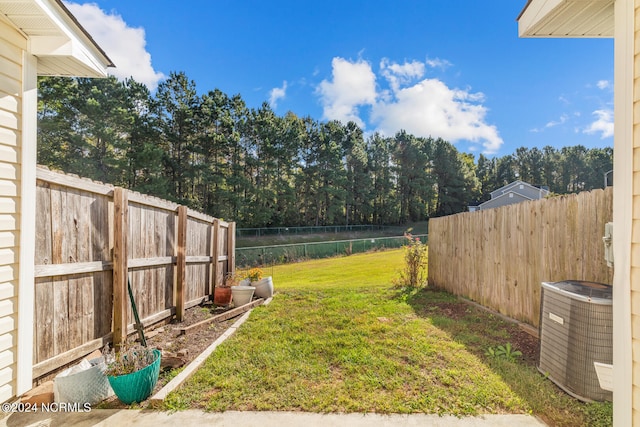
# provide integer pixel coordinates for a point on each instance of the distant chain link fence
(282, 254)
(270, 231)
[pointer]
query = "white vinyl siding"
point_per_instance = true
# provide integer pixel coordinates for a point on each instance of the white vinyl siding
(635, 233)
(12, 46)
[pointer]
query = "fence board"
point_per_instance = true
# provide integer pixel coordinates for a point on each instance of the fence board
(80, 250)
(61, 316)
(44, 336)
(499, 257)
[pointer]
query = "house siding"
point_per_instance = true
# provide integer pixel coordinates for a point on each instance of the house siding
(532, 192)
(504, 200)
(635, 234)
(12, 46)
(515, 192)
(521, 187)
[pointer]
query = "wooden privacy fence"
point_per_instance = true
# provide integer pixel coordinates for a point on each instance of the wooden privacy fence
(499, 257)
(90, 239)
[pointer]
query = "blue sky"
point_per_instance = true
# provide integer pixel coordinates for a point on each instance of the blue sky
(454, 69)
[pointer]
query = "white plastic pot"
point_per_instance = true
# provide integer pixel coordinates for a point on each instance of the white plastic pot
(264, 287)
(83, 383)
(242, 295)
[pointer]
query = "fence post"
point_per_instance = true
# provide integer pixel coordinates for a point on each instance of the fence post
(216, 253)
(231, 248)
(120, 265)
(211, 283)
(181, 261)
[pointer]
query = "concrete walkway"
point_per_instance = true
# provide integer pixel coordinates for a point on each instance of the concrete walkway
(137, 418)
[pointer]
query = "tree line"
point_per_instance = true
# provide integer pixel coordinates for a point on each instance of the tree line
(213, 153)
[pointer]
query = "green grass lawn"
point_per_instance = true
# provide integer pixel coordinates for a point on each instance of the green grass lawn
(339, 337)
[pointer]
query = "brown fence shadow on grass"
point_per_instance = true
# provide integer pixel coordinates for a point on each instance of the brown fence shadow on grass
(471, 326)
(477, 330)
(474, 328)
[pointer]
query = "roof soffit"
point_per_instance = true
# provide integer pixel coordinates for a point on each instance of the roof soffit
(567, 18)
(56, 37)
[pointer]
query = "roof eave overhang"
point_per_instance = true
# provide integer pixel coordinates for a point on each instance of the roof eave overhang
(63, 47)
(567, 18)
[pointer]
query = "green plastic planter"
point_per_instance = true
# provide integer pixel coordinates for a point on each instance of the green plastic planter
(137, 386)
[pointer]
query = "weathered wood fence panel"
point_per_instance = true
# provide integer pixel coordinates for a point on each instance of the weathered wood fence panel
(499, 257)
(199, 256)
(91, 239)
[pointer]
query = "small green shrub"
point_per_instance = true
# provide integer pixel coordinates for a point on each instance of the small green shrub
(504, 352)
(414, 273)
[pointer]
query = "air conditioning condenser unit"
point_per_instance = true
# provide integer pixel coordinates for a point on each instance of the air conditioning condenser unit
(576, 330)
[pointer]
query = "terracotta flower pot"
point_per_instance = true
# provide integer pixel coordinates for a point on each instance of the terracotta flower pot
(222, 296)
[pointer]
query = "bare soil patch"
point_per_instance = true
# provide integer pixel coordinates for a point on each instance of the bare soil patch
(187, 347)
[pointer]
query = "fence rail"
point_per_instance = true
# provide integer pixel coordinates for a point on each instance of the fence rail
(280, 254)
(270, 231)
(499, 257)
(91, 239)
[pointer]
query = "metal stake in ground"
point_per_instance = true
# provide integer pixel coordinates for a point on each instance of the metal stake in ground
(139, 327)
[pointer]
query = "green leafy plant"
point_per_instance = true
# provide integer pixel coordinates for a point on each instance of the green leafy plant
(414, 273)
(504, 352)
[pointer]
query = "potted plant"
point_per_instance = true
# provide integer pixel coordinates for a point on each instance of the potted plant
(263, 285)
(243, 292)
(222, 293)
(133, 372)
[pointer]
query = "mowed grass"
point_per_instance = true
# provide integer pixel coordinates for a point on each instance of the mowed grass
(339, 337)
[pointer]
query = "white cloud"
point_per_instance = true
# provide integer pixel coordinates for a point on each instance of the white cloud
(553, 123)
(124, 45)
(409, 70)
(401, 74)
(438, 63)
(431, 108)
(277, 93)
(602, 125)
(353, 85)
(603, 84)
(563, 119)
(422, 107)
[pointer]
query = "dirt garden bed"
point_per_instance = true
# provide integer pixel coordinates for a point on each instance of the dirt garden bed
(178, 344)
